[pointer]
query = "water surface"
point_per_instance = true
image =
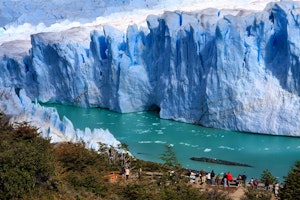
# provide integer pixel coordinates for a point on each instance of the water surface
(146, 135)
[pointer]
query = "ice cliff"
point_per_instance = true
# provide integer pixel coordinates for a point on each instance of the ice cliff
(228, 69)
(16, 105)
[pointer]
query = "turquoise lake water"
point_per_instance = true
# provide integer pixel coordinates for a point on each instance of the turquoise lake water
(146, 135)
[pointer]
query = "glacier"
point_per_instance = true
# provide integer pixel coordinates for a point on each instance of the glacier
(233, 69)
(19, 108)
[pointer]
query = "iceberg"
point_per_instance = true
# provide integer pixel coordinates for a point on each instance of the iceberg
(232, 69)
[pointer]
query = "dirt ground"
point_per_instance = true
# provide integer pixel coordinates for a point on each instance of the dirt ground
(234, 192)
(238, 193)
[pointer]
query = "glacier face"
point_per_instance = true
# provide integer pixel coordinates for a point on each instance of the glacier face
(228, 69)
(16, 104)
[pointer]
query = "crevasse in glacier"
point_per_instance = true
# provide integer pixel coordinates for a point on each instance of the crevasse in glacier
(228, 69)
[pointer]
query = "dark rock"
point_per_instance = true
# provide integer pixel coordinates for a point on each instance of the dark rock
(219, 161)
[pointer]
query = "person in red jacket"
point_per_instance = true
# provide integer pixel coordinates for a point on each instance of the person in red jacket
(229, 178)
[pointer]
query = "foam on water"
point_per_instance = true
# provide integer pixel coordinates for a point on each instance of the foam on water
(160, 142)
(145, 142)
(186, 144)
(140, 131)
(224, 147)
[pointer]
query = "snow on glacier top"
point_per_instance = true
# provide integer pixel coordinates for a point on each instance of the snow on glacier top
(19, 19)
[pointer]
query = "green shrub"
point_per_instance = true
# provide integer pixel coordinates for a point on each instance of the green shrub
(135, 191)
(26, 161)
(291, 188)
(76, 157)
(84, 168)
(267, 176)
(169, 157)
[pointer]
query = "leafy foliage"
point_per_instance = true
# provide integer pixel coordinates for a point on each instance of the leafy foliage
(291, 187)
(75, 157)
(136, 191)
(267, 176)
(169, 157)
(26, 161)
(84, 168)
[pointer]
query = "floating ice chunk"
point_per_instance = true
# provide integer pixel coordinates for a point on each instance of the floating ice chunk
(207, 150)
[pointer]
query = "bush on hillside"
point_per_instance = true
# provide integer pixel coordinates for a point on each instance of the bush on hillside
(84, 168)
(26, 161)
(75, 156)
(169, 157)
(291, 188)
(267, 176)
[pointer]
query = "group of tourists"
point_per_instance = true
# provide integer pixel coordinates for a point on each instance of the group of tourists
(212, 178)
(226, 180)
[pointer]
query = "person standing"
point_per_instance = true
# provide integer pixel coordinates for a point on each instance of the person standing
(140, 173)
(239, 179)
(224, 180)
(251, 182)
(203, 176)
(276, 189)
(127, 173)
(208, 177)
(229, 178)
(123, 171)
(256, 182)
(244, 179)
(267, 184)
(213, 177)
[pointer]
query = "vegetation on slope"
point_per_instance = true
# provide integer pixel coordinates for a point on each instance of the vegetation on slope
(33, 168)
(291, 189)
